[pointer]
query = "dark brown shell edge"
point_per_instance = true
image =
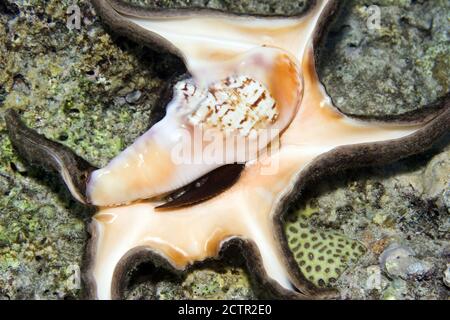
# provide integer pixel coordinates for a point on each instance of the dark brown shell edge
(204, 188)
(39, 151)
(89, 286)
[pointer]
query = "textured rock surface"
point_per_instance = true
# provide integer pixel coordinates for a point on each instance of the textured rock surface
(80, 87)
(400, 66)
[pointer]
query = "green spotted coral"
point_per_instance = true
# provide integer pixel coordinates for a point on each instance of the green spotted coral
(322, 255)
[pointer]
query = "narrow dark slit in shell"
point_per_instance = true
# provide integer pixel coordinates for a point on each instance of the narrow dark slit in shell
(204, 188)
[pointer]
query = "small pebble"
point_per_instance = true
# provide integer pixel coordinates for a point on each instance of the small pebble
(399, 262)
(133, 97)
